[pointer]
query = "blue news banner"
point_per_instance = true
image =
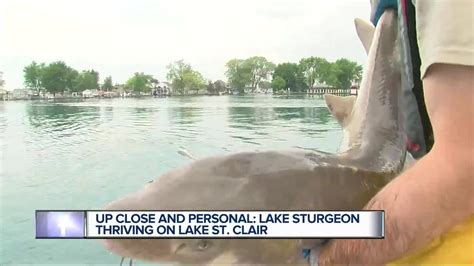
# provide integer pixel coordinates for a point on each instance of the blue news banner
(209, 224)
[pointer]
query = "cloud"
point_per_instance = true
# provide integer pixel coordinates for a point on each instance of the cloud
(121, 37)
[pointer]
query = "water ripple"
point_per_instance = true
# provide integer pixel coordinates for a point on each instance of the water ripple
(83, 154)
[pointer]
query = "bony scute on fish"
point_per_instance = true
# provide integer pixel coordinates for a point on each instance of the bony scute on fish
(372, 152)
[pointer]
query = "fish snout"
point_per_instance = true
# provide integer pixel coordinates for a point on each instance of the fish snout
(153, 250)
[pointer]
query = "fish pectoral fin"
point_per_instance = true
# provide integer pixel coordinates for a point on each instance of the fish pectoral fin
(340, 107)
(365, 31)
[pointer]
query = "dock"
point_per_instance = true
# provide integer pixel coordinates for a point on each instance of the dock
(334, 91)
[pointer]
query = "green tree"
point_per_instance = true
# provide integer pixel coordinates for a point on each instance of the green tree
(314, 69)
(278, 83)
(154, 83)
(176, 73)
(260, 70)
(87, 80)
(57, 77)
(238, 74)
(108, 85)
(220, 86)
(184, 78)
(292, 75)
(193, 80)
(345, 72)
(139, 83)
(32, 76)
(72, 79)
(265, 85)
(211, 89)
(215, 88)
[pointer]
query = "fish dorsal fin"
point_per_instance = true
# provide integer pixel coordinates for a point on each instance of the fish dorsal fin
(340, 107)
(365, 31)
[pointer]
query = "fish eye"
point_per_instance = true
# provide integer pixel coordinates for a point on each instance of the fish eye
(203, 244)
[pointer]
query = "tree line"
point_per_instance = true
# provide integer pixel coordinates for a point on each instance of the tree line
(242, 74)
(57, 77)
(257, 71)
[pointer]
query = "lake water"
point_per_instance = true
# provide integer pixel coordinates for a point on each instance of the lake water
(83, 154)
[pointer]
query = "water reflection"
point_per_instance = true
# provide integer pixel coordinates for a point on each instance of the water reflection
(183, 123)
(84, 154)
(142, 117)
(312, 115)
(107, 113)
(322, 115)
(3, 127)
(144, 110)
(184, 115)
(3, 118)
(249, 117)
(60, 126)
(289, 113)
(277, 117)
(61, 117)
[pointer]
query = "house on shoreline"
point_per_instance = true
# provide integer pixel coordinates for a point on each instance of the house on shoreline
(89, 93)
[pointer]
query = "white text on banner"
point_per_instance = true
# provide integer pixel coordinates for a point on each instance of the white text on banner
(235, 224)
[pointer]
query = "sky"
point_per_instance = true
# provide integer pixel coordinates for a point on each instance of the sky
(119, 38)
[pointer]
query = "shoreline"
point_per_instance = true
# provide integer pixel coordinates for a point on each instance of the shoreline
(36, 98)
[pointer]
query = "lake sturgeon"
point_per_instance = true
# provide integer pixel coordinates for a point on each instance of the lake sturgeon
(372, 153)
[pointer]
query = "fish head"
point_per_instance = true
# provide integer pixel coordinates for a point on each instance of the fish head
(176, 190)
(183, 251)
(215, 183)
(200, 251)
(145, 249)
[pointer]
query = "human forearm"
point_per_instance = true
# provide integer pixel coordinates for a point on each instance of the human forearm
(417, 210)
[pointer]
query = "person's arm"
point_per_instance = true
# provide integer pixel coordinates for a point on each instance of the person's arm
(437, 192)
